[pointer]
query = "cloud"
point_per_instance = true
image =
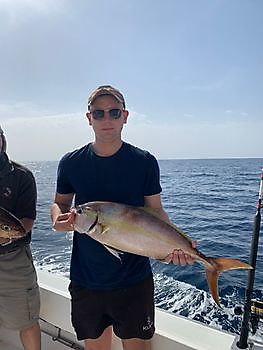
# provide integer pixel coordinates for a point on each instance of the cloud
(20, 110)
(138, 118)
(235, 114)
(35, 5)
(18, 10)
(194, 140)
(48, 137)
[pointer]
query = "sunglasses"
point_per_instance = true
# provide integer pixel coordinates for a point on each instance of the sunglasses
(114, 113)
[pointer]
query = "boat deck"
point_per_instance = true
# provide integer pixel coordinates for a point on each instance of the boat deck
(4, 346)
(9, 340)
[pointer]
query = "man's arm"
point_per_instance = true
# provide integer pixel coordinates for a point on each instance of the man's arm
(177, 256)
(154, 202)
(61, 216)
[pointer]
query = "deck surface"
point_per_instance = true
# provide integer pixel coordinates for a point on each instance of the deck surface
(4, 346)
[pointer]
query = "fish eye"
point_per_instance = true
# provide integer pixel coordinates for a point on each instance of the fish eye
(80, 211)
(5, 227)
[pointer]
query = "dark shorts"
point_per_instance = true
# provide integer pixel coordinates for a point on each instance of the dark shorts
(129, 310)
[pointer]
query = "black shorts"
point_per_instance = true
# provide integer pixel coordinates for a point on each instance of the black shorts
(129, 310)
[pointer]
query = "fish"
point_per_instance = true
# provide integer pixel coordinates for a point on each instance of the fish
(10, 226)
(140, 230)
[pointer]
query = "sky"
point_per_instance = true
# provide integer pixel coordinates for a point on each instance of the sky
(191, 72)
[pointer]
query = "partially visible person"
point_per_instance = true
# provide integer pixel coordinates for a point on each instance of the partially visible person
(19, 292)
(108, 295)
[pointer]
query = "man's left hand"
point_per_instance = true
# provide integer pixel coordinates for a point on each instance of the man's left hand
(178, 257)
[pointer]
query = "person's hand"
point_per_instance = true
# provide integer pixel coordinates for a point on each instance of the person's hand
(65, 222)
(178, 257)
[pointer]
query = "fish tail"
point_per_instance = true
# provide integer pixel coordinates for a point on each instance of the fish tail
(218, 265)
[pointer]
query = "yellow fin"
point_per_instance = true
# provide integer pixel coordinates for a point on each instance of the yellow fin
(219, 265)
(104, 229)
(113, 251)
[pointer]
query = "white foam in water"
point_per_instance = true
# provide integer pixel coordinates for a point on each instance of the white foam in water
(184, 299)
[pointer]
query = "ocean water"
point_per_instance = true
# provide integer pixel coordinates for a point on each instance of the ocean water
(214, 201)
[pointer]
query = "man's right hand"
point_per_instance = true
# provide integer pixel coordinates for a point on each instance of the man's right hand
(64, 222)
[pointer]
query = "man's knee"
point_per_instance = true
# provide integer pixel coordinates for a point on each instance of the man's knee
(33, 328)
(136, 344)
(101, 343)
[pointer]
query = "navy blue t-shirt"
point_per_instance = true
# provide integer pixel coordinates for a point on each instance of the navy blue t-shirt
(125, 177)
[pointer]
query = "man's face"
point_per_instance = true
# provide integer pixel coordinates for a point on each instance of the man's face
(107, 128)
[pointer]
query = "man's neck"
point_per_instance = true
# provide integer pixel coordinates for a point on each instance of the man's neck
(106, 149)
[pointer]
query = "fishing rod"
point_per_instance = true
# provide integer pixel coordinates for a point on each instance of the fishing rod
(242, 343)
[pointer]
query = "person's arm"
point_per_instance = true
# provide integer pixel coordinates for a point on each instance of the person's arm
(27, 223)
(154, 202)
(61, 216)
(177, 256)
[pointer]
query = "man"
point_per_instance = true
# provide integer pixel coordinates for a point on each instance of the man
(19, 293)
(106, 293)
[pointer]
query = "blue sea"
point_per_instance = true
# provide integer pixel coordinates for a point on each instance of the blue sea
(214, 201)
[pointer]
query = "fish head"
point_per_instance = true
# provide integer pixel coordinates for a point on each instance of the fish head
(10, 226)
(85, 219)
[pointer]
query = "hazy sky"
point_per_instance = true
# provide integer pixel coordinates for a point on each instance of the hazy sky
(191, 72)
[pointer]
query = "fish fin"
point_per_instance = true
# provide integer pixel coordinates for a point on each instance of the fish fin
(219, 265)
(212, 281)
(113, 251)
(104, 229)
(98, 229)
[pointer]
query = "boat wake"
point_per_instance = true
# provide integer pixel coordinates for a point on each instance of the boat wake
(186, 300)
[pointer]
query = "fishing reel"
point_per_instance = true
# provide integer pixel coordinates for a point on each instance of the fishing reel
(256, 314)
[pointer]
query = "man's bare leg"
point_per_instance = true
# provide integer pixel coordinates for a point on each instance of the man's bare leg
(101, 343)
(136, 344)
(31, 338)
